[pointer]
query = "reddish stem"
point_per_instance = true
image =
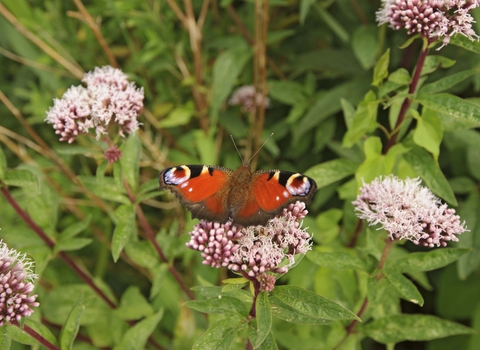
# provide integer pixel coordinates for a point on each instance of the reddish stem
(408, 101)
(31, 332)
(51, 244)
(151, 237)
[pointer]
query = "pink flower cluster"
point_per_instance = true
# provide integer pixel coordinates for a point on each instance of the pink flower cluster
(257, 251)
(431, 19)
(246, 97)
(407, 210)
(15, 286)
(109, 98)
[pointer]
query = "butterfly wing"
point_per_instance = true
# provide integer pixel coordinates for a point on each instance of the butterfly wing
(200, 188)
(270, 192)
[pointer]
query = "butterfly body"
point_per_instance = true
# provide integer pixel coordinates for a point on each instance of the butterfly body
(217, 194)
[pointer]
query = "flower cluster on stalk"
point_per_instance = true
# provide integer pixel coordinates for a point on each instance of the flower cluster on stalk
(16, 278)
(248, 99)
(407, 210)
(109, 99)
(432, 19)
(256, 251)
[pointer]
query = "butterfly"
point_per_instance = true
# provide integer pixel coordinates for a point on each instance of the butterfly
(217, 194)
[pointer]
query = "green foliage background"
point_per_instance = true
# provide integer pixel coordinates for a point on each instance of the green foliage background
(335, 80)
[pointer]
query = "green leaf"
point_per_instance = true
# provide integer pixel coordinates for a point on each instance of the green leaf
(17, 334)
(405, 287)
(124, 230)
(416, 262)
(71, 244)
(400, 77)
(226, 69)
(142, 253)
(365, 45)
(380, 72)
(339, 260)
(221, 305)
(365, 120)
(220, 335)
(130, 160)
(469, 263)
(21, 178)
(375, 163)
(428, 169)
(3, 164)
(464, 42)
(133, 305)
(71, 326)
(136, 337)
(72, 150)
(399, 328)
(331, 171)
(328, 223)
(447, 82)
(433, 62)
(287, 92)
(429, 132)
(269, 343)
(206, 147)
(327, 104)
(451, 105)
(179, 116)
(106, 189)
(311, 305)
(264, 320)
(305, 8)
(75, 228)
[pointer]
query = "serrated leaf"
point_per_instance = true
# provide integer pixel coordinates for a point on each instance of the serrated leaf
(312, 305)
(429, 132)
(21, 178)
(136, 337)
(452, 106)
(75, 228)
(264, 320)
(3, 164)
(380, 72)
(432, 62)
(220, 335)
(446, 82)
(464, 42)
(428, 169)
(399, 328)
(416, 262)
(124, 230)
(220, 305)
(269, 343)
(337, 260)
(130, 160)
(71, 244)
(401, 77)
(71, 326)
(331, 171)
(405, 287)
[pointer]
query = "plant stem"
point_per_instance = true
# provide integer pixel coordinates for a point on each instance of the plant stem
(408, 100)
(51, 244)
(31, 332)
(151, 237)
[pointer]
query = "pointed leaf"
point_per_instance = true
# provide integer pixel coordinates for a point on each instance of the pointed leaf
(416, 262)
(380, 72)
(221, 305)
(71, 326)
(399, 328)
(75, 228)
(451, 105)
(312, 305)
(3, 164)
(429, 132)
(365, 120)
(405, 288)
(21, 178)
(220, 335)
(124, 230)
(264, 320)
(130, 160)
(71, 244)
(133, 305)
(331, 171)
(447, 82)
(428, 169)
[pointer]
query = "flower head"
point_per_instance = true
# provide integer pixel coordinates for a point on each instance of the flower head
(257, 251)
(246, 97)
(113, 154)
(16, 278)
(431, 19)
(407, 210)
(108, 99)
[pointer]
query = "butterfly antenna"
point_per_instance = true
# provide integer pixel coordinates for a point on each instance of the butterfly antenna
(263, 144)
(231, 136)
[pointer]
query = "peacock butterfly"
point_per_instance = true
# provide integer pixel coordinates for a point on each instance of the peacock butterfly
(216, 193)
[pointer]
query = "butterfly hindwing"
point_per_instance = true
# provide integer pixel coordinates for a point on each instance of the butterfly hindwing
(200, 188)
